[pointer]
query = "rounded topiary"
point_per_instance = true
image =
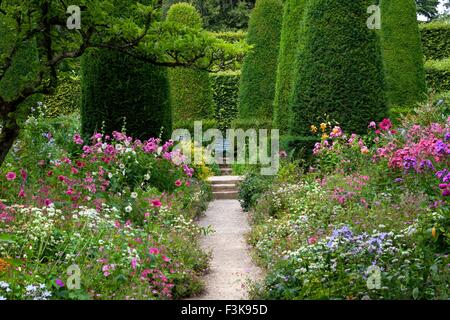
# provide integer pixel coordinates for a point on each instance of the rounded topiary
(402, 52)
(292, 17)
(117, 87)
(339, 69)
(190, 89)
(257, 89)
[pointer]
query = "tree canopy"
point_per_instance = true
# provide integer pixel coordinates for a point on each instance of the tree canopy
(137, 32)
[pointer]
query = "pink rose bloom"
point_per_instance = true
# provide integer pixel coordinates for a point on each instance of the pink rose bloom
(156, 203)
(11, 176)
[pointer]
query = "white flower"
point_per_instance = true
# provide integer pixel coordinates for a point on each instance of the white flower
(128, 209)
(118, 147)
(134, 195)
(121, 166)
(110, 175)
(2, 298)
(30, 288)
(147, 177)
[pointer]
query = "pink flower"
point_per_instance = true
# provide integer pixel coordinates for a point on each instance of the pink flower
(69, 192)
(188, 183)
(312, 240)
(48, 202)
(178, 183)
(74, 170)
(59, 283)
(133, 263)
(372, 125)
(385, 125)
(156, 203)
(21, 192)
(153, 251)
(11, 176)
(166, 259)
(24, 174)
(77, 139)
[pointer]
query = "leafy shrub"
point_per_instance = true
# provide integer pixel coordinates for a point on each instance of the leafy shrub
(257, 89)
(289, 46)
(66, 99)
(436, 40)
(339, 71)
(251, 188)
(438, 74)
(190, 90)
(119, 91)
(225, 86)
(402, 53)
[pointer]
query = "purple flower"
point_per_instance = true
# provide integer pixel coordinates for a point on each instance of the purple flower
(59, 283)
(398, 180)
(441, 174)
(447, 136)
(426, 164)
(440, 146)
(409, 163)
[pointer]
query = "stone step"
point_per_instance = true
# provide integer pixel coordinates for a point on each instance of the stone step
(225, 195)
(225, 180)
(226, 171)
(224, 187)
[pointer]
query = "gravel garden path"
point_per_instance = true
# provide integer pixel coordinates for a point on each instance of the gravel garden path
(231, 266)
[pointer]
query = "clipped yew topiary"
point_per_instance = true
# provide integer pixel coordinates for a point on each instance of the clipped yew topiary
(339, 69)
(190, 89)
(118, 89)
(292, 17)
(402, 53)
(257, 89)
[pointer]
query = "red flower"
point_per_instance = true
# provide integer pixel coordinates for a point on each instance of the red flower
(178, 183)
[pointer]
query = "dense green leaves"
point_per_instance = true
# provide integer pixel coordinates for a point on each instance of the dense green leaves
(436, 40)
(190, 90)
(257, 89)
(402, 53)
(289, 46)
(438, 74)
(225, 86)
(121, 91)
(339, 69)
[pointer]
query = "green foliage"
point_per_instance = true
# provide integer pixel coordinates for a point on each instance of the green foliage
(251, 188)
(402, 53)
(436, 40)
(117, 87)
(339, 69)
(438, 74)
(292, 21)
(67, 97)
(190, 90)
(225, 86)
(257, 88)
(231, 36)
(189, 125)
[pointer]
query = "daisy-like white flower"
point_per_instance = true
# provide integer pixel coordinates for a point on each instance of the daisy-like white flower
(128, 209)
(134, 195)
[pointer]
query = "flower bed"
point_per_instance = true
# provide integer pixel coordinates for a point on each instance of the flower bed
(368, 220)
(109, 219)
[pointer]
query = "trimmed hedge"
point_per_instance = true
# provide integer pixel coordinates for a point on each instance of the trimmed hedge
(402, 53)
(257, 89)
(116, 86)
(225, 87)
(67, 97)
(438, 74)
(436, 40)
(292, 18)
(231, 36)
(190, 89)
(339, 70)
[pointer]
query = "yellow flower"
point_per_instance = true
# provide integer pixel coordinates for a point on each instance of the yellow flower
(313, 129)
(323, 126)
(4, 265)
(325, 136)
(433, 232)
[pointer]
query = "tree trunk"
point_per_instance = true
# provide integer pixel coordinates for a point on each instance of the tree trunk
(8, 133)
